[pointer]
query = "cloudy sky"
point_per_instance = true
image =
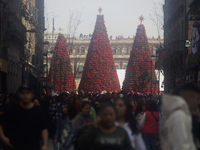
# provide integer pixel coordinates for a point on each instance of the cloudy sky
(121, 16)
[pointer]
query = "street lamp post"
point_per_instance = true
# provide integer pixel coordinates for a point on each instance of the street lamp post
(46, 54)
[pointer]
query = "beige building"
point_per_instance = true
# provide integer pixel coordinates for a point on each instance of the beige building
(121, 48)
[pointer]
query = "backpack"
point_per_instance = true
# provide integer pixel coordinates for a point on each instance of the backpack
(70, 139)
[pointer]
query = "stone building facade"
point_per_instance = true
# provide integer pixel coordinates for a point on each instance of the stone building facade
(121, 48)
(21, 43)
(178, 30)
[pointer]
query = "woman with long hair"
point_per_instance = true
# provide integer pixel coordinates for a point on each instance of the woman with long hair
(63, 127)
(139, 112)
(105, 135)
(125, 118)
(150, 124)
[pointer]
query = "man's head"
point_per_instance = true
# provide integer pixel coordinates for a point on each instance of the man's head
(26, 94)
(191, 94)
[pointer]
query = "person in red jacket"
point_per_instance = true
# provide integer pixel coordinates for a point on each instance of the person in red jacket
(150, 123)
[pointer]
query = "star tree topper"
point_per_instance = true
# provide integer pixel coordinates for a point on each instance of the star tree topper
(100, 10)
(141, 18)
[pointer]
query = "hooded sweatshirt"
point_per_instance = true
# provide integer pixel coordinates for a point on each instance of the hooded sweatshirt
(176, 125)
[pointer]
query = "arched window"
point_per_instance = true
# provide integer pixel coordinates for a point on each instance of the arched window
(125, 50)
(114, 50)
(119, 50)
(77, 50)
(82, 50)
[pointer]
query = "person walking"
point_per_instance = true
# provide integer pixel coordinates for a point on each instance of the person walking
(63, 127)
(126, 120)
(105, 135)
(150, 123)
(55, 111)
(83, 120)
(176, 123)
(22, 125)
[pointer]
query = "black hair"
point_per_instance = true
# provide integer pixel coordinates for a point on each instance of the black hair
(152, 106)
(104, 100)
(187, 87)
(130, 117)
(138, 109)
(106, 106)
(84, 103)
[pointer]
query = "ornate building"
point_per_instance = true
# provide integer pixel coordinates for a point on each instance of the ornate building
(78, 49)
(180, 65)
(21, 43)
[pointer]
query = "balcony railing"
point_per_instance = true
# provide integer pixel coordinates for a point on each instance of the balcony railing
(30, 12)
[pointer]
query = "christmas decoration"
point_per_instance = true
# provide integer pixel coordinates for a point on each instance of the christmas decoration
(140, 73)
(99, 72)
(63, 78)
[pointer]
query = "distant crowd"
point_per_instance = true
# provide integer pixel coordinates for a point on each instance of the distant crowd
(112, 121)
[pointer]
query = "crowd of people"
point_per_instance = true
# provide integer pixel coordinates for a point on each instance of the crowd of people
(110, 121)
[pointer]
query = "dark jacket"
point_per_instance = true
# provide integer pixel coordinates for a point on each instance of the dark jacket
(80, 122)
(196, 131)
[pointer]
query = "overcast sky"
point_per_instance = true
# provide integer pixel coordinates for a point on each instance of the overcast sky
(121, 16)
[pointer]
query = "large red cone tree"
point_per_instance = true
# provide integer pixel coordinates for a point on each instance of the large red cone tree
(99, 72)
(140, 74)
(63, 78)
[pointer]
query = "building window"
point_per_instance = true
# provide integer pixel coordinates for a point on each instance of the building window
(77, 50)
(151, 48)
(119, 50)
(117, 67)
(125, 67)
(80, 69)
(114, 50)
(70, 50)
(126, 51)
(82, 50)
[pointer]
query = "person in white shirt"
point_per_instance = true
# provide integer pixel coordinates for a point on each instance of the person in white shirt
(176, 123)
(125, 119)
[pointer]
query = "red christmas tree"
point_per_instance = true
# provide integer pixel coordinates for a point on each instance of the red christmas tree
(140, 73)
(63, 79)
(99, 71)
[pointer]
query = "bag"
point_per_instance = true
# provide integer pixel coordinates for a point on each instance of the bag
(139, 117)
(70, 139)
(154, 117)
